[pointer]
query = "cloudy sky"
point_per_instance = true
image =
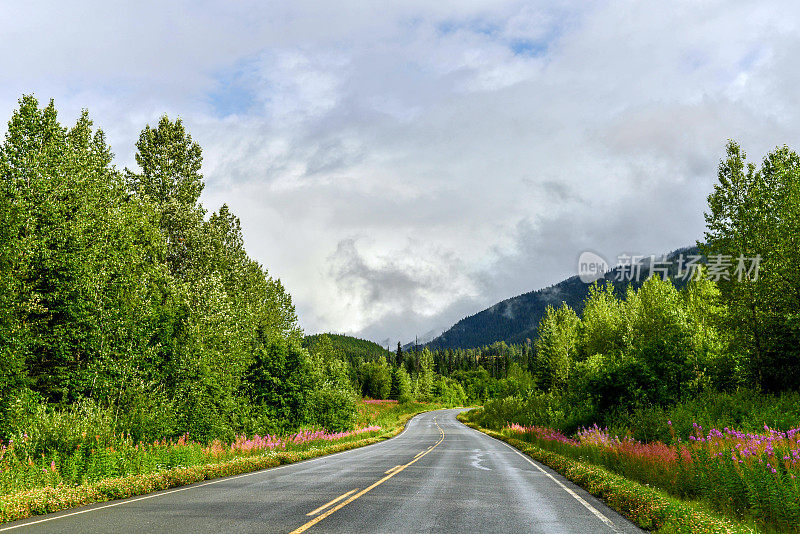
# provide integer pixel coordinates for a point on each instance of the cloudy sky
(400, 166)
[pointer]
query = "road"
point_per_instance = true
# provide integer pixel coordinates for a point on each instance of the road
(437, 476)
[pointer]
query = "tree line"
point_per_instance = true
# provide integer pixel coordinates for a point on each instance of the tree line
(667, 341)
(122, 296)
(120, 293)
(656, 346)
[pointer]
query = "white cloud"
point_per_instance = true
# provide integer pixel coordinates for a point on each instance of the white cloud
(401, 166)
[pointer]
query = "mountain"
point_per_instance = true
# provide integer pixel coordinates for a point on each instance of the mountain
(516, 319)
(348, 346)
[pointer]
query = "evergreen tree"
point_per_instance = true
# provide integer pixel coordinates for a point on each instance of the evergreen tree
(401, 385)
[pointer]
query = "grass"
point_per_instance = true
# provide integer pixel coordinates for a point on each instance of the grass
(49, 483)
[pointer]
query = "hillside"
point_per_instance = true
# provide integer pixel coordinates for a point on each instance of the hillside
(516, 319)
(347, 346)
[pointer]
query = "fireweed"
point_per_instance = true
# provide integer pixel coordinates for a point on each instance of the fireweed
(94, 460)
(747, 475)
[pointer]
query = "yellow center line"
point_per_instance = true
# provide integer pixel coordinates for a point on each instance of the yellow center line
(388, 471)
(330, 503)
(341, 505)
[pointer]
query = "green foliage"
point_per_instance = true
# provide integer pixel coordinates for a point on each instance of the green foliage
(755, 212)
(659, 340)
(655, 347)
(334, 409)
(746, 410)
(170, 179)
(449, 392)
(477, 384)
(401, 385)
(376, 379)
(602, 327)
(48, 431)
(537, 408)
(346, 347)
(333, 399)
(452, 377)
(556, 347)
(423, 383)
(76, 299)
(518, 381)
(116, 290)
(279, 383)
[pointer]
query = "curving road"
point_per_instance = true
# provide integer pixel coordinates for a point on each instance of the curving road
(437, 476)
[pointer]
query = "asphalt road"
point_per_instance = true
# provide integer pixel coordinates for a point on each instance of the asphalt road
(437, 476)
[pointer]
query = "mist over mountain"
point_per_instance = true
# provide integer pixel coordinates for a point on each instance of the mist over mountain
(516, 319)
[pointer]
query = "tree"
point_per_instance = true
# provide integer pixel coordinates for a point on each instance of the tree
(83, 261)
(170, 178)
(425, 376)
(170, 163)
(279, 382)
(401, 385)
(323, 349)
(755, 213)
(714, 364)
(376, 379)
(602, 329)
(556, 347)
(659, 339)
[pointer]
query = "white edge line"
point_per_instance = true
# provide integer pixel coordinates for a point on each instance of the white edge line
(195, 485)
(577, 497)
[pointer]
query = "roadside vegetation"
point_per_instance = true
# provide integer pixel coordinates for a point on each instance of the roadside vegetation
(750, 476)
(692, 391)
(128, 309)
(110, 467)
(138, 339)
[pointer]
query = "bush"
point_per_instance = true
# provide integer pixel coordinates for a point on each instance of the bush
(746, 410)
(333, 409)
(544, 409)
(148, 415)
(43, 429)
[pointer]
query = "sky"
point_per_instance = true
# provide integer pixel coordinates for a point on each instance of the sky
(400, 166)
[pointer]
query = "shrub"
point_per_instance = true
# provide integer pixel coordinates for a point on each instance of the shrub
(535, 409)
(333, 409)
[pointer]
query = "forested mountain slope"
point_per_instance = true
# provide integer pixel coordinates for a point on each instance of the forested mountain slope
(345, 346)
(516, 319)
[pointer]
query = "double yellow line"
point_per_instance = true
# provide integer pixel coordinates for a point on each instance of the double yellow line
(390, 473)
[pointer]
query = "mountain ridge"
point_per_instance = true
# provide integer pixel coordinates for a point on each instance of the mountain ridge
(516, 319)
